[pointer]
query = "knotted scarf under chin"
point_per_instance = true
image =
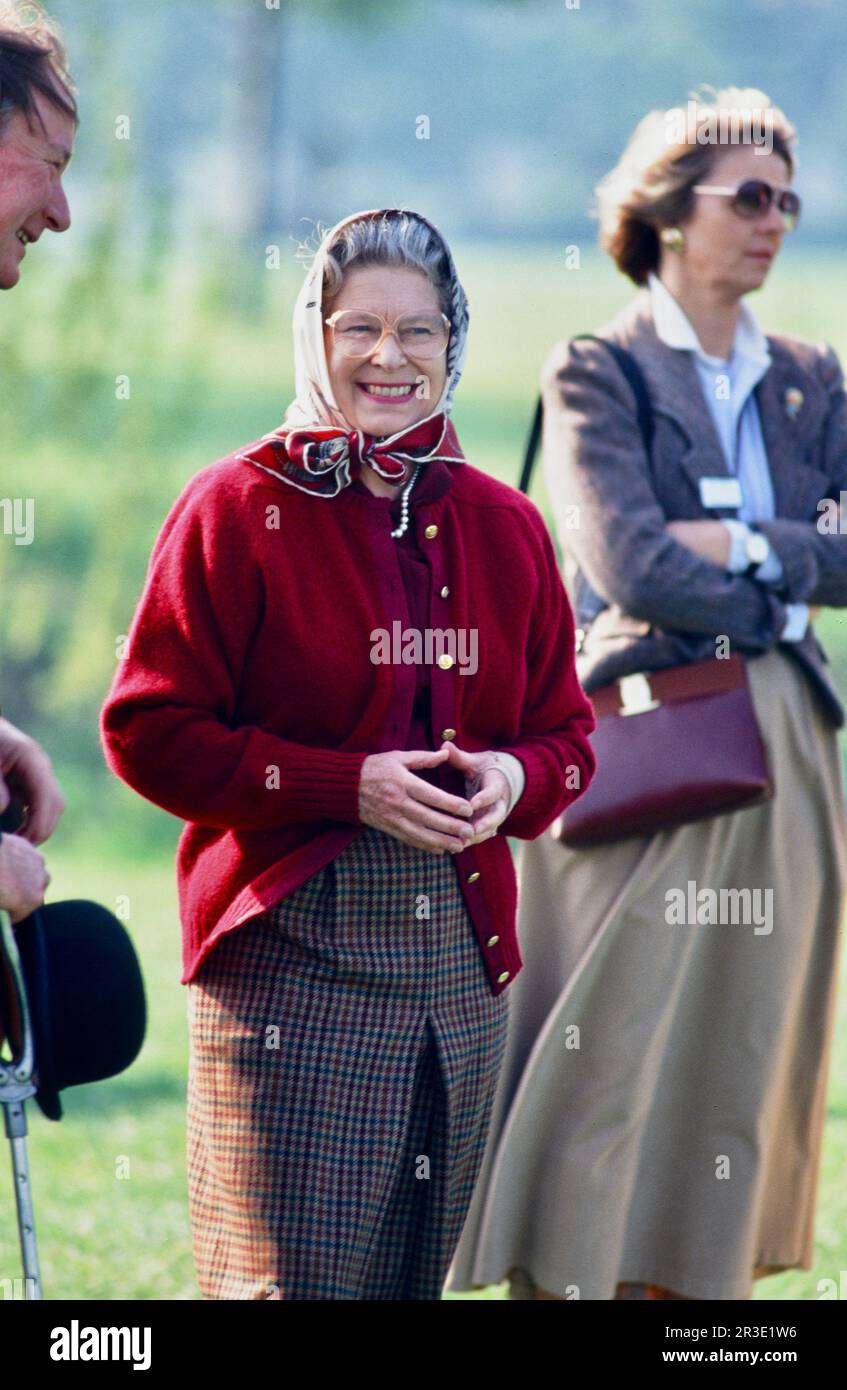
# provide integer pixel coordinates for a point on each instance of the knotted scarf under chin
(324, 459)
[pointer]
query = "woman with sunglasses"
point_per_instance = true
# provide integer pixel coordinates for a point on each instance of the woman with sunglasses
(347, 890)
(657, 1131)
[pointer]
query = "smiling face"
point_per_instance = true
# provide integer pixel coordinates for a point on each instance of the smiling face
(723, 252)
(387, 391)
(32, 200)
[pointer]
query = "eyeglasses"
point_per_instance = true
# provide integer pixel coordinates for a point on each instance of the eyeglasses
(754, 196)
(359, 334)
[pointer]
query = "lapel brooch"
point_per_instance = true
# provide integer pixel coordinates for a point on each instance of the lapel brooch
(793, 402)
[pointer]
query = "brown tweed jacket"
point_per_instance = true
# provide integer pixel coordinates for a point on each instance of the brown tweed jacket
(642, 600)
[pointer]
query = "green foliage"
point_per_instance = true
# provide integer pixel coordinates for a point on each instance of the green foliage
(204, 377)
(103, 471)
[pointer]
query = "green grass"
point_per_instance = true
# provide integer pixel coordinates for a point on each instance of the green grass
(105, 1236)
(209, 372)
(101, 1235)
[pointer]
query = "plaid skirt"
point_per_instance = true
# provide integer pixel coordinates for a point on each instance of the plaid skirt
(344, 1053)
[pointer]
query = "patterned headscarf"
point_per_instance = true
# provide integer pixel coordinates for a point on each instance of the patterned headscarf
(317, 450)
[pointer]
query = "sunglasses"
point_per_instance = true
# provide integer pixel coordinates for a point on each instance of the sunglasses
(754, 196)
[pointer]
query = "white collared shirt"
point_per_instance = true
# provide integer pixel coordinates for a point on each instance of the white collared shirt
(728, 389)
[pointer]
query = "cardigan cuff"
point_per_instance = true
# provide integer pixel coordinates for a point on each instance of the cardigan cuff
(328, 785)
(513, 771)
(534, 810)
(277, 783)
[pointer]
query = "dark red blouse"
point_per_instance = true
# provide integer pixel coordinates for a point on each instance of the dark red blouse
(432, 482)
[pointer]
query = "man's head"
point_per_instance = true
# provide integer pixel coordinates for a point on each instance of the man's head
(38, 120)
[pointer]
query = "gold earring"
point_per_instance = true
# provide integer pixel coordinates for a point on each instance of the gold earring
(673, 238)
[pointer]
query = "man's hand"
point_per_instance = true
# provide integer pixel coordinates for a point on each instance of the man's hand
(27, 775)
(23, 877)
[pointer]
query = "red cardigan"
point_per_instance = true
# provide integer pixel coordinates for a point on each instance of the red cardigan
(247, 701)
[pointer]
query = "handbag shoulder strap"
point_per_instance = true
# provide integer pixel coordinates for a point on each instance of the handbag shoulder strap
(634, 376)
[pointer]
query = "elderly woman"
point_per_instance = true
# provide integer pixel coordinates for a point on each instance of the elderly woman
(347, 891)
(657, 1130)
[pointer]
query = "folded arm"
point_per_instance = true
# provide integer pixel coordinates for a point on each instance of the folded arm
(609, 518)
(812, 554)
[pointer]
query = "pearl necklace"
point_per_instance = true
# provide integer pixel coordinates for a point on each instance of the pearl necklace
(404, 508)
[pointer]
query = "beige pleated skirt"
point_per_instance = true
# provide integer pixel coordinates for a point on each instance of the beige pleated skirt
(660, 1109)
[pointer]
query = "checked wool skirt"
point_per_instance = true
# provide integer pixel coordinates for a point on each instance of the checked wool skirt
(344, 1053)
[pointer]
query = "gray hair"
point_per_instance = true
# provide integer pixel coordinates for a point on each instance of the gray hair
(393, 238)
(33, 61)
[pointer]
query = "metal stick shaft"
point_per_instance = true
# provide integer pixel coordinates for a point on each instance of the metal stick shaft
(23, 1201)
(16, 1087)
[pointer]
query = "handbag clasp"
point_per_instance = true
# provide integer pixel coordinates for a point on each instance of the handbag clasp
(636, 695)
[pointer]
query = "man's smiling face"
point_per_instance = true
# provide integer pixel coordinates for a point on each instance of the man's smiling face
(32, 199)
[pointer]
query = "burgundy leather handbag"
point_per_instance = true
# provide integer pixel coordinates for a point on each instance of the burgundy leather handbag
(672, 747)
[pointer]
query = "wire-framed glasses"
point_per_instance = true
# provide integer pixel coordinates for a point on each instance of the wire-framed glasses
(358, 333)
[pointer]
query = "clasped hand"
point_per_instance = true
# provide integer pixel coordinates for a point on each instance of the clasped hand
(392, 798)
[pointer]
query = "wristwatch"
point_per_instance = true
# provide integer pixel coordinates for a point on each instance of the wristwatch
(757, 548)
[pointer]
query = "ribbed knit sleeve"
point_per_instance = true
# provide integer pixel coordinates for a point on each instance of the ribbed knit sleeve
(169, 727)
(557, 717)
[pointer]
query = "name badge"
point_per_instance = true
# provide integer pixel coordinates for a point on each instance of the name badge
(721, 492)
